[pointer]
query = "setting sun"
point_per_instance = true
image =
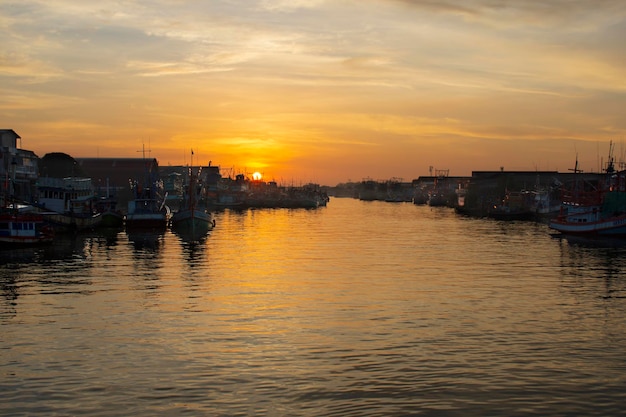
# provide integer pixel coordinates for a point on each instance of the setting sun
(257, 176)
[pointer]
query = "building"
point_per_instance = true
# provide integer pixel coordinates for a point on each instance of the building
(18, 168)
(112, 177)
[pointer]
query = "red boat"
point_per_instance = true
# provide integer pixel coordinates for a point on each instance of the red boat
(594, 208)
(23, 228)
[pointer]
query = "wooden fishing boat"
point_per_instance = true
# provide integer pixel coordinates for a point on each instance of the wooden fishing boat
(594, 208)
(68, 204)
(192, 218)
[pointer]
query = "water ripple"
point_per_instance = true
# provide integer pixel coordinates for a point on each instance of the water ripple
(360, 309)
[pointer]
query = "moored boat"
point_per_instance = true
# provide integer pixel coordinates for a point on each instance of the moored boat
(594, 208)
(147, 211)
(192, 219)
(192, 224)
(22, 228)
(515, 205)
(68, 204)
(544, 203)
(439, 195)
(112, 218)
(420, 195)
(106, 205)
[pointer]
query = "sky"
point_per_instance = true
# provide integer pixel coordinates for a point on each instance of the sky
(324, 91)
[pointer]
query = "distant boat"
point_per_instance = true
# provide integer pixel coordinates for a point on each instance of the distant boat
(516, 205)
(370, 190)
(439, 195)
(19, 227)
(309, 196)
(594, 208)
(396, 193)
(192, 219)
(420, 196)
(231, 193)
(543, 203)
(68, 204)
(437, 199)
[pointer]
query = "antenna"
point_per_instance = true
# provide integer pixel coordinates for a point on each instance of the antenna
(143, 150)
(576, 170)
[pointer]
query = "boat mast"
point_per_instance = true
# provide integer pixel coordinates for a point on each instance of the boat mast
(610, 167)
(192, 187)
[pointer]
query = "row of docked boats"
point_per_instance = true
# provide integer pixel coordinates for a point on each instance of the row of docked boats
(534, 204)
(148, 212)
(73, 204)
(586, 205)
(68, 205)
(242, 193)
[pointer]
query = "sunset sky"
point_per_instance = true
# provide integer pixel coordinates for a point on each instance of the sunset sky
(319, 90)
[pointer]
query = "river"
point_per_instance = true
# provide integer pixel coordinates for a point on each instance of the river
(354, 309)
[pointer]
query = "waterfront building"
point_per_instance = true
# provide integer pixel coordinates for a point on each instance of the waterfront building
(18, 168)
(113, 177)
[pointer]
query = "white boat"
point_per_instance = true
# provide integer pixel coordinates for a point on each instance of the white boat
(543, 202)
(68, 204)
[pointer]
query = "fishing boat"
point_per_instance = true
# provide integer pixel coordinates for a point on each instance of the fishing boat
(544, 202)
(111, 216)
(420, 195)
(594, 208)
(439, 195)
(231, 193)
(192, 219)
(106, 204)
(514, 206)
(68, 204)
(20, 227)
(147, 211)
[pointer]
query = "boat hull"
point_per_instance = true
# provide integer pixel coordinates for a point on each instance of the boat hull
(112, 219)
(192, 223)
(71, 223)
(615, 226)
(10, 241)
(146, 221)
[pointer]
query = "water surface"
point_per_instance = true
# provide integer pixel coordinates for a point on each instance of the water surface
(359, 309)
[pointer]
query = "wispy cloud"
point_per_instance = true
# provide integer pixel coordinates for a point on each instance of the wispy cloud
(316, 71)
